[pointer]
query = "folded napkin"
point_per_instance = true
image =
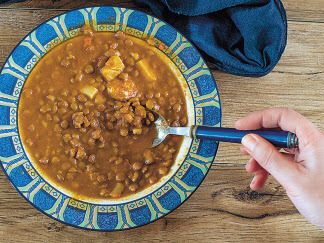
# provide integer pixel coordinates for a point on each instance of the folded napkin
(242, 37)
(10, 1)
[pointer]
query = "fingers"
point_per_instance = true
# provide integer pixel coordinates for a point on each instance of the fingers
(259, 180)
(269, 158)
(285, 118)
(253, 166)
(243, 150)
(260, 176)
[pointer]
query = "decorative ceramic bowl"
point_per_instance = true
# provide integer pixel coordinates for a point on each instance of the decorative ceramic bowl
(196, 157)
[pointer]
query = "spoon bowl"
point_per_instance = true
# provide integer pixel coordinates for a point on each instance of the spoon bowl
(163, 129)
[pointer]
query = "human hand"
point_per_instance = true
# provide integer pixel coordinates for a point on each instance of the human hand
(300, 171)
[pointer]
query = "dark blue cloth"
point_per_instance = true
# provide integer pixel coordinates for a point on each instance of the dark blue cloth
(240, 37)
(10, 1)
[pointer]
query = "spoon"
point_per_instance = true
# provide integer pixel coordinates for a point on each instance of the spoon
(280, 139)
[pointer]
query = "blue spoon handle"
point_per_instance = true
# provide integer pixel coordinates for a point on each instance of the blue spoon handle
(280, 139)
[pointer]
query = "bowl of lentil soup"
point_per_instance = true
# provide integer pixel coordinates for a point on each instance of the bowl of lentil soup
(78, 127)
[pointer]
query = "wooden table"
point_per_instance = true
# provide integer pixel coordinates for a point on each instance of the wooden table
(223, 208)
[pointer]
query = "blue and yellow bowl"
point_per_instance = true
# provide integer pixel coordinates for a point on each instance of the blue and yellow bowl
(195, 156)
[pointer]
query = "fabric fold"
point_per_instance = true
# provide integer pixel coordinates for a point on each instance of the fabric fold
(239, 37)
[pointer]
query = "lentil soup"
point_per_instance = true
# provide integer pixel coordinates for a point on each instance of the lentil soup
(82, 116)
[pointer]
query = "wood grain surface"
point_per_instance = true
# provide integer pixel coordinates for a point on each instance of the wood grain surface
(223, 208)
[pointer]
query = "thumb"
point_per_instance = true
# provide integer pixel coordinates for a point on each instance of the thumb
(281, 168)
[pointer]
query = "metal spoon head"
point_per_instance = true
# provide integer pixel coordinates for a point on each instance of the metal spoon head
(161, 127)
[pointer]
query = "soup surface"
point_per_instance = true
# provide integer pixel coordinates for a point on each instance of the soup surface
(82, 116)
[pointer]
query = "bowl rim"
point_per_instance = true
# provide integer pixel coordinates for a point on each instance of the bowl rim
(157, 218)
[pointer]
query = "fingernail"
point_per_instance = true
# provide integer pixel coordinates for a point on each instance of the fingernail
(248, 163)
(253, 181)
(249, 142)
